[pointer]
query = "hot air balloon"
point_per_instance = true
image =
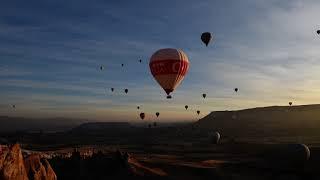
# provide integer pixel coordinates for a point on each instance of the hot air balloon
(214, 137)
(157, 114)
(122, 65)
(138, 107)
(101, 68)
(168, 67)
(289, 155)
(206, 37)
(236, 89)
(204, 95)
(140, 60)
(318, 31)
(112, 89)
(290, 103)
(142, 116)
(126, 91)
(186, 106)
(198, 112)
(14, 106)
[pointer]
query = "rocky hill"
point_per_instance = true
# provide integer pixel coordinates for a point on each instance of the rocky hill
(13, 166)
(276, 120)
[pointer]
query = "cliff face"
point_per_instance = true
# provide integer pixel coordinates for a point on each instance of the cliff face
(39, 169)
(274, 120)
(14, 167)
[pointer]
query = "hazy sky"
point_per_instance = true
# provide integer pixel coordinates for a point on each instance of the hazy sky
(50, 53)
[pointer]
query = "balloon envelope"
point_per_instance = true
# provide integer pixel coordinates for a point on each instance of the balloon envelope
(318, 31)
(236, 89)
(214, 137)
(204, 95)
(198, 112)
(142, 116)
(290, 103)
(186, 106)
(206, 37)
(126, 91)
(157, 114)
(169, 67)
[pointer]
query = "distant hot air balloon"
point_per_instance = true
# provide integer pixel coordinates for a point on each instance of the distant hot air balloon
(142, 116)
(186, 106)
(206, 37)
(101, 68)
(289, 155)
(112, 89)
(140, 61)
(157, 114)
(214, 137)
(204, 95)
(236, 89)
(126, 91)
(122, 65)
(290, 103)
(318, 31)
(168, 67)
(138, 107)
(198, 112)
(14, 106)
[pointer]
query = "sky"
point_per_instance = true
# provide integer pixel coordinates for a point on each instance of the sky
(51, 51)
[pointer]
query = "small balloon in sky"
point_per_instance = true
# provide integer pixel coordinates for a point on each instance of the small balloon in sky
(198, 112)
(206, 38)
(186, 107)
(236, 89)
(290, 103)
(142, 116)
(126, 91)
(204, 95)
(157, 114)
(318, 31)
(112, 89)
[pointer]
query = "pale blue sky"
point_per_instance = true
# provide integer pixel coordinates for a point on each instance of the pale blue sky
(50, 53)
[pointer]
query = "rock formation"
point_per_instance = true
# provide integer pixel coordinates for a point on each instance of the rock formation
(14, 167)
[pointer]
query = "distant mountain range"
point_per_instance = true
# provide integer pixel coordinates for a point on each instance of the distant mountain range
(277, 120)
(261, 121)
(12, 124)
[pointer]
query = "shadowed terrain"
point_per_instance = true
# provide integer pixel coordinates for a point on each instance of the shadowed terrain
(255, 143)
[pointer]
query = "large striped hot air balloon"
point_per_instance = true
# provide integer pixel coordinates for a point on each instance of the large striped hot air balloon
(168, 67)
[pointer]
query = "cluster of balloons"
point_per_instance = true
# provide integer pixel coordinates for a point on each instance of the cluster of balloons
(169, 66)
